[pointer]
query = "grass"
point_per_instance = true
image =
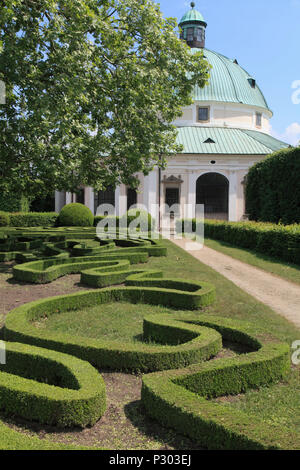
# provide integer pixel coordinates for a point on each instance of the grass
(288, 271)
(279, 402)
(116, 321)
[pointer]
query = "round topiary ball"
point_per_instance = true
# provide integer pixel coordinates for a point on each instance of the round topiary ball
(75, 215)
(143, 216)
(4, 219)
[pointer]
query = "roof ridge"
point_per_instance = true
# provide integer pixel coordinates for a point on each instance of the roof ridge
(244, 131)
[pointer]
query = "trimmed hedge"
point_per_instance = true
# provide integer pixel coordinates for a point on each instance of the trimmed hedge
(50, 387)
(273, 188)
(278, 241)
(75, 215)
(113, 273)
(36, 268)
(33, 219)
(13, 202)
(47, 270)
(115, 355)
(178, 399)
(4, 219)
(147, 220)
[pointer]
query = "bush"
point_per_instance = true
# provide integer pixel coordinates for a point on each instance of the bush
(273, 188)
(33, 219)
(4, 219)
(50, 387)
(13, 203)
(278, 241)
(147, 222)
(75, 215)
(180, 399)
(191, 344)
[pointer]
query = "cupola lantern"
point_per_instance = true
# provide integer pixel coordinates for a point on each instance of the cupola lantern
(193, 28)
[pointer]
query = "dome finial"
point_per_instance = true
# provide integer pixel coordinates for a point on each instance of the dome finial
(193, 4)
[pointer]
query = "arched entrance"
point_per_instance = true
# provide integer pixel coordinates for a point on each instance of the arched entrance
(212, 190)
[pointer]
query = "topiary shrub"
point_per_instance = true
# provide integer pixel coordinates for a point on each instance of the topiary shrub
(33, 219)
(75, 215)
(4, 219)
(143, 217)
(14, 202)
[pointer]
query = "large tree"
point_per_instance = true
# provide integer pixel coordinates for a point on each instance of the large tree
(92, 88)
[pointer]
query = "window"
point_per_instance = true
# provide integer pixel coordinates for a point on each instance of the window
(172, 196)
(199, 34)
(190, 34)
(203, 114)
(252, 82)
(258, 119)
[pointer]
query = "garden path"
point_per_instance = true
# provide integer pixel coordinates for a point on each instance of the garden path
(281, 295)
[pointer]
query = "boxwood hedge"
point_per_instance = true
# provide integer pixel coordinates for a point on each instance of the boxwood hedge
(50, 387)
(180, 399)
(114, 355)
(279, 241)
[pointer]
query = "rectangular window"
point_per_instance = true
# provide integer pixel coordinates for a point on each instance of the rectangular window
(203, 114)
(190, 34)
(199, 34)
(172, 196)
(258, 119)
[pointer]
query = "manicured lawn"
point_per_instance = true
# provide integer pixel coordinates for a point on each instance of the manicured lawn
(117, 321)
(288, 271)
(277, 404)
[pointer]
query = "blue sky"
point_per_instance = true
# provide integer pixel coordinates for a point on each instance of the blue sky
(264, 36)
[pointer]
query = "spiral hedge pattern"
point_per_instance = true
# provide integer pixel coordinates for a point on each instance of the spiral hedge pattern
(50, 377)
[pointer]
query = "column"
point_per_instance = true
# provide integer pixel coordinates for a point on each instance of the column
(233, 196)
(68, 198)
(190, 211)
(58, 204)
(121, 200)
(89, 198)
(150, 194)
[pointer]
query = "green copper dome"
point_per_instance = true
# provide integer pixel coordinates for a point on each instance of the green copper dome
(229, 83)
(192, 15)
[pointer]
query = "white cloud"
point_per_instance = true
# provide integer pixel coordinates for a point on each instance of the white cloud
(291, 134)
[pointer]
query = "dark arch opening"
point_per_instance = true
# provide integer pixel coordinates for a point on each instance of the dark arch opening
(212, 190)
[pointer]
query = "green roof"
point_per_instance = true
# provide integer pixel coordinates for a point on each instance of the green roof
(192, 15)
(227, 141)
(228, 83)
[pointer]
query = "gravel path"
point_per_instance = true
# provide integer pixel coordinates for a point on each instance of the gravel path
(282, 296)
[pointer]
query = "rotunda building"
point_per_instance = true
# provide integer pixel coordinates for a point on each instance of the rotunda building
(223, 133)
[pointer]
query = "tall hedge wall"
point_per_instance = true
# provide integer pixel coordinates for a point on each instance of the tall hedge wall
(13, 203)
(273, 188)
